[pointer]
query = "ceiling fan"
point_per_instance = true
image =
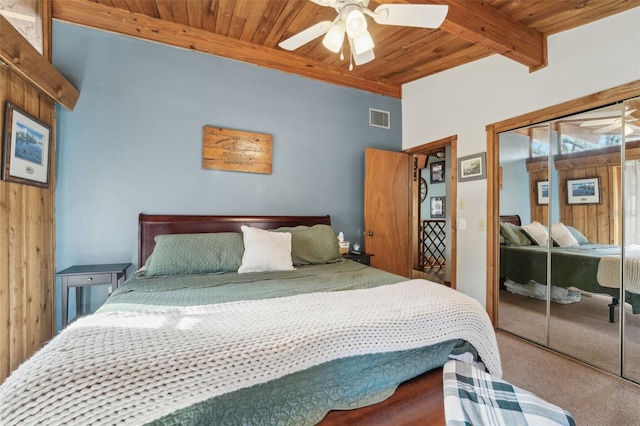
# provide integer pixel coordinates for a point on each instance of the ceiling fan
(608, 125)
(351, 22)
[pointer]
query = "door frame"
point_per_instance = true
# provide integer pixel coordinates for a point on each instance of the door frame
(605, 97)
(452, 142)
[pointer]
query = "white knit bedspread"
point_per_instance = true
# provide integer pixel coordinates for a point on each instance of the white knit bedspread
(134, 367)
(609, 270)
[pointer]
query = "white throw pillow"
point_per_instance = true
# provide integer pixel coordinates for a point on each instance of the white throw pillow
(562, 236)
(265, 251)
(537, 233)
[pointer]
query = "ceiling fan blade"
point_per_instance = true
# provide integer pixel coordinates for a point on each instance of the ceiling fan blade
(411, 15)
(601, 122)
(305, 36)
(330, 3)
(20, 16)
(609, 128)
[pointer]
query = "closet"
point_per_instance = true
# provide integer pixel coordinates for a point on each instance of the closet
(572, 283)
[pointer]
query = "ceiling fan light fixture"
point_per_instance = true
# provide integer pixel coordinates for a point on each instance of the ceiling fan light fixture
(335, 37)
(363, 43)
(356, 23)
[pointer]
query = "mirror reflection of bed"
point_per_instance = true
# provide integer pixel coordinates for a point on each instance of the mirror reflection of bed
(550, 235)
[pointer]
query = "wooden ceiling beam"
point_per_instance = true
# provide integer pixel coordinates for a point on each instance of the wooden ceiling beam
(481, 24)
(23, 59)
(137, 25)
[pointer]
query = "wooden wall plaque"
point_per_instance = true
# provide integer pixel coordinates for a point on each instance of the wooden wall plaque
(237, 151)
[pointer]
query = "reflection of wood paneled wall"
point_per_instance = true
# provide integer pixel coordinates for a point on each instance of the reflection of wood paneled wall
(600, 223)
(27, 258)
(596, 221)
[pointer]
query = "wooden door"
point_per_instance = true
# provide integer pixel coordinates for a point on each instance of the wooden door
(386, 209)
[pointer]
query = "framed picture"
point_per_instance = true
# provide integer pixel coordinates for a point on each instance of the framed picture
(26, 143)
(437, 172)
(472, 167)
(438, 207)
(543, 192)
(583, 191)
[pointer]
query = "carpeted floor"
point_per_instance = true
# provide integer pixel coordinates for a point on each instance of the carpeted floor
(581, 330)
(593, 397)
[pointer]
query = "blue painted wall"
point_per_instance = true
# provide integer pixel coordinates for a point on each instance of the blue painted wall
(133, 143)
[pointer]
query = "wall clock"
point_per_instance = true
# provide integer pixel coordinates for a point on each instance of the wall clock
(423, 189)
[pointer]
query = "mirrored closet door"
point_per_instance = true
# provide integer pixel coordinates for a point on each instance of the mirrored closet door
(629, 122)
(565, 186)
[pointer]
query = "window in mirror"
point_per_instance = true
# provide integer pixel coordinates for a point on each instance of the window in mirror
(592, 130)
(539, 138)
(26, 17)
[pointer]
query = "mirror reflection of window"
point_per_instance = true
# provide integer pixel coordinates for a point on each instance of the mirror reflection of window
(26, 17)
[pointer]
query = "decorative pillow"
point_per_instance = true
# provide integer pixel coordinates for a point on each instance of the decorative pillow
(265, 251)
(184, 254)
(312, 245)
(513, 235)
(580, 238)
(537, 233)
(561, 235)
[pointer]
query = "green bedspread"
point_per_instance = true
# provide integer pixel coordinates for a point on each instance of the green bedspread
(300, 398)
(143, 293)
(570, 267)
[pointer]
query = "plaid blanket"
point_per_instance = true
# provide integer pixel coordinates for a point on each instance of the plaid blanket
(473, 397)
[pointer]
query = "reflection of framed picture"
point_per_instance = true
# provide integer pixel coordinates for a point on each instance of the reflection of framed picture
(437, 172)
(472, 167)
(583, 191)
(25, 154)
(543, 192)
(438, 207)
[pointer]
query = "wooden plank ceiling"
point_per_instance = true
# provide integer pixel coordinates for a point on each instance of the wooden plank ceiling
(250, 30)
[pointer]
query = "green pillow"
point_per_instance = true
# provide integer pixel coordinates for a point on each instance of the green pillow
(312, 245)
(185, 254)
(582, 240)
(513, 235)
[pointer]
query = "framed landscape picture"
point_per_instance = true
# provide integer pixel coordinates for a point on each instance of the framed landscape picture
(542, 192)
(26, 144)
(583, 191)
(472, 167)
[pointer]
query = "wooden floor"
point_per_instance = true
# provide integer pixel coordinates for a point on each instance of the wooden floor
(419, 401)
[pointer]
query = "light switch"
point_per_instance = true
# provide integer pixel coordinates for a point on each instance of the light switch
(461, 204)
(462, 224)
(481, 226)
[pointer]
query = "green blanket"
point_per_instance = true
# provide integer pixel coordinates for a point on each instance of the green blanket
(301, 398)
(147, 293)
(570, 267)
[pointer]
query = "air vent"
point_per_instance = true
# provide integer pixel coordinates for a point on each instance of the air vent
(379, 118)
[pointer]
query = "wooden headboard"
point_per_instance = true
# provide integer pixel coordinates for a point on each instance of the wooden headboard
(151, 225)
(511, 218)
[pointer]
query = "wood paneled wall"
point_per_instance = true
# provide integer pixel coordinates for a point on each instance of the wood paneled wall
(27, 239)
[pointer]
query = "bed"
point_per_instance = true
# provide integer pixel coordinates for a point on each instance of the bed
(190, 339)
(588, 267)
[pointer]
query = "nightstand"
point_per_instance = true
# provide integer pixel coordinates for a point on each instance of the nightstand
(81, 276)
(364, 258)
